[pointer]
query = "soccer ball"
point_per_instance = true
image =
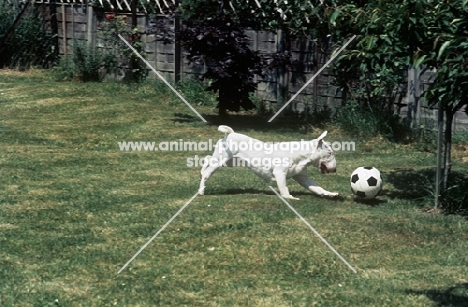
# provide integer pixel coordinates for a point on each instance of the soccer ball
(366, 182)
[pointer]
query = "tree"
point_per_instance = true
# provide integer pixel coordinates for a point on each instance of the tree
(219, 43)
(372, 70)
(446, 49)
(397, 34)
(214, 35)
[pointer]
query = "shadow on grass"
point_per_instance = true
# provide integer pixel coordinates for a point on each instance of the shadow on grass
(240, 121)
(185, 118)
(256, 122)
(456, 296)
(420, 185)
(411, 184)
(239, 191)
(298, 194)
(369, 202)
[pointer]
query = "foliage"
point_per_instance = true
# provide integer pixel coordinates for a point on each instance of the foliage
(134, 68)
(63, 70)
(31, 43)
(220, 44)
(397, 34)
(357, 120)
(111, 59)
(372, 69)
(454, 199)
(446, 49)
(91, 64)
(194, 92)
(293, 16)
(86, 64)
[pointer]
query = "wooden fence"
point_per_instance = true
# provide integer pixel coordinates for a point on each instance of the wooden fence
(79, 22)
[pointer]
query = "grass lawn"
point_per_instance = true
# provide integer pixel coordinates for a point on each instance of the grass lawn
(74, 209)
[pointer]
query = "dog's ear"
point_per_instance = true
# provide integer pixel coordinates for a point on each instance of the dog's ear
(324, 134)
(320, 138)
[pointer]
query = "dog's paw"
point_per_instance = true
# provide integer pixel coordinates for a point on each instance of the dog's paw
(332, 195)
(201, 192)
(289, 197)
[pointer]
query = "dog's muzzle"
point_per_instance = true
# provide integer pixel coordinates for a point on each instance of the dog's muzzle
(327, 169)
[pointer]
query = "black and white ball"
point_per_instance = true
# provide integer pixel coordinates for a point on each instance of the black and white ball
(366, 182)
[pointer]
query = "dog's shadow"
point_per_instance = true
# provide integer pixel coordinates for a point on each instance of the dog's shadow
(251, 191)
(238, 191)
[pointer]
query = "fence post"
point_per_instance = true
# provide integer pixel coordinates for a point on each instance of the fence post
(281, 71)
(90, 25)
(416, 96)
(413, 94)
(64, 29)
(54, 25)
(178, 62)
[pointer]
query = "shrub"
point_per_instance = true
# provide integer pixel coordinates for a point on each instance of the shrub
(31, 44)
(359, 120)
(220, 44)
(91, 64)
(86, 64)
(454, 200)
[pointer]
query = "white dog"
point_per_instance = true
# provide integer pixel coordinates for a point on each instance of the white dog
(273, 162)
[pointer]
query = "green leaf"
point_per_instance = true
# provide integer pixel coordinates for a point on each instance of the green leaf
(370, 43)
(419, 61)
(334, 16)
(442, 48)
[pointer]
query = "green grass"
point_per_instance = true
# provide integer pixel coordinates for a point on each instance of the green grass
(74, 209)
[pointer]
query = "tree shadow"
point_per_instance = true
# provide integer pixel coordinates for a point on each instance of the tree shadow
(184, 118)
(374, 202)
(286, 121)
(411, 184)
(419, 185)
(456, 296)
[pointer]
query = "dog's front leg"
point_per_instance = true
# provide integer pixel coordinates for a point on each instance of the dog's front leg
(305, 181)
(280, 178)
(210, 165)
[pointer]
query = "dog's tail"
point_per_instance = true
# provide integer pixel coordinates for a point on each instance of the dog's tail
(225, 129)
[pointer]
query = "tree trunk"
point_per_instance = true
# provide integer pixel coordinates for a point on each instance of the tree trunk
(222, 103)
(449, 113)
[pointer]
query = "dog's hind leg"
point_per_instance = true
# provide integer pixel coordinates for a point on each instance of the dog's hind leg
(307, 183)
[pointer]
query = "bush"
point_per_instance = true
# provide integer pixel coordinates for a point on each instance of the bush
(31, 44)
(359, 120)
(220, 43)
(91, 64)
(87, 64)
(455, 199)
(113, 58)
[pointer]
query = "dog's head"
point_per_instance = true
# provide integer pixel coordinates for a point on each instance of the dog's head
(327, 162)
